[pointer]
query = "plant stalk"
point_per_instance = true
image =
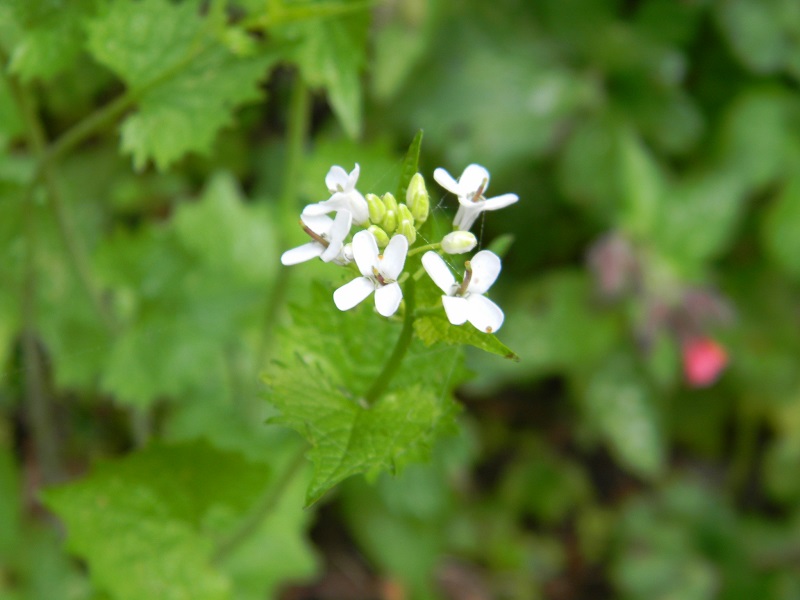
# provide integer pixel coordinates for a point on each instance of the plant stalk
(382, 381)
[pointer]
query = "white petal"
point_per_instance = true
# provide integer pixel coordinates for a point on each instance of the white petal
(499, 201)
(302, 253)
(472, 178)
(484, 314)
(466, 214)
(350, 294)
(456, 309)
(357, 205)
(485, 269)
(338, 230)
(387, 299)
(352, 179)
(444, 179)
(365, 252)
(336, 179)
(319, 224)
(438, 271)
(394, 257)
(335, 202)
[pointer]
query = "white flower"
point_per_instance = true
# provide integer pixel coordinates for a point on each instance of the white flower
(327, 239)
(344, 196)
(466, 302)
(470, 188)
(380, 273)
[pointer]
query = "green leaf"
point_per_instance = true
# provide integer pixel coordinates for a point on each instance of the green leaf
(331, 53)
(700, 219)
(620, 406)
(186, 83)
(10, 495)
(642, 187)
(139, 521)
(332, 359)
(436, 328)
(781, 230)
(228, 234)
(410, 166)
(51, 36)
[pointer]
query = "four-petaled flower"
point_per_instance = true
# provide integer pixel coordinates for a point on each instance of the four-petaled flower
(327, 239)
(466, 302)
(470, 188)
(379, 274)
(344, 196)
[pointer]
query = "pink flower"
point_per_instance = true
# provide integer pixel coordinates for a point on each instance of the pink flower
(703, 361)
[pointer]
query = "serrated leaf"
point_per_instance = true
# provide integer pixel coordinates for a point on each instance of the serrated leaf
(435, 328)
(410, 166)
(333, 358)
(227, 233)
(186, 83)
(138, 521)
(331, 53)
(620, 405)
(51, 36)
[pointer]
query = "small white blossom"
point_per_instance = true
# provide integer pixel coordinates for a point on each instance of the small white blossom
(327, 239)
(466, 302)
(344, 196)
(470, 188)
(379, 274)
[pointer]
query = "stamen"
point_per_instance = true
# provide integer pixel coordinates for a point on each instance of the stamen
(478, 195)
(378, 276)
(315, 236)
(467, 277)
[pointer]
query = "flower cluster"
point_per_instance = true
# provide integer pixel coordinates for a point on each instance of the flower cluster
(388, 229)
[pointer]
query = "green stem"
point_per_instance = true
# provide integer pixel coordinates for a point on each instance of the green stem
(382, 381)
(39, 407)
(72, 242)
(299, 119)
(262, 509)
(434, 246)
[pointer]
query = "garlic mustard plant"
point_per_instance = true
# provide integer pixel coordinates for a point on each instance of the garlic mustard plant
(466, 301)
(469, 189)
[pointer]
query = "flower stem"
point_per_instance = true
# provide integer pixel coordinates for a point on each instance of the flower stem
(382, 381)
(434, 246)
(262, 509)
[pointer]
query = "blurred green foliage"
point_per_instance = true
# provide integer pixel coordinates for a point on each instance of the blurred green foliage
(153, 157)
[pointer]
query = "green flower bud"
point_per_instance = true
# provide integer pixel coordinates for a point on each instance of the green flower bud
(418, 199)
(377, 210)
(389, 202)
(459, 242)
(407, 229)
(404, 214)
(389, 222)
(380, 236)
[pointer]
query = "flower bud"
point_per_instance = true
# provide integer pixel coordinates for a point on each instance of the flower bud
(377, 210)
(703, 361)
(407, 229)
(404, 214)
(417, 198)
(389, 202)
(380, 236)
(459, 242)
(389, 222)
